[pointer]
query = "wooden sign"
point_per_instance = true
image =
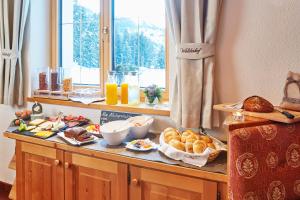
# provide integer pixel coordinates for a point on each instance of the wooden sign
(108, 116)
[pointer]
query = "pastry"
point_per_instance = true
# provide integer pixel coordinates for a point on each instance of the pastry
(189, 147)
(166, 134)
(211, 145)
(169, 129)
(191, 140)
(184, 135)
(177, 144)
(257, 104)
(78, 133)
(171, 134)
(206, 139)
(172, 137)
(199, 146)
(193, 137)
(188, 141)
(190, 131)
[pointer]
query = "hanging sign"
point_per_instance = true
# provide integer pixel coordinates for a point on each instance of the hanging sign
(8, 54)
(195, 51)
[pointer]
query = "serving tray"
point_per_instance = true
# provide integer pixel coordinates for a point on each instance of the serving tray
(75, 142)
(273, 116)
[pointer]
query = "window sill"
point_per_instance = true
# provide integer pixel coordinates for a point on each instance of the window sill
(142, 108)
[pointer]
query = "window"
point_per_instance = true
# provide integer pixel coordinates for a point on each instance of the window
(139, 39)
(80, 43)
(96, 36)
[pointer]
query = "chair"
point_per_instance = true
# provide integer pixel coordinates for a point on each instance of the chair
(264, 162)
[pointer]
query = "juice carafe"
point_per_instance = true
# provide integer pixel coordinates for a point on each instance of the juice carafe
(111, 89)
(124, 89)
(133, 89)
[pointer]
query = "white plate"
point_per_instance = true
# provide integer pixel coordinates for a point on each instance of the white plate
(130, 145)
(75, 142)
(92, 132)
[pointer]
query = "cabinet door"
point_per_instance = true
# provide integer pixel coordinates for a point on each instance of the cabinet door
(94, 179)
(40, 174)
(149, 184)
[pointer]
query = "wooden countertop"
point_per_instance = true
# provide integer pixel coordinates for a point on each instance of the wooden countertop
(215, 171)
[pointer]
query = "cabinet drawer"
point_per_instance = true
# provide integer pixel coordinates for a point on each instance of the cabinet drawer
(147, 184)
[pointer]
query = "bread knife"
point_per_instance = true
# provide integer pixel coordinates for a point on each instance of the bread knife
(285, 113)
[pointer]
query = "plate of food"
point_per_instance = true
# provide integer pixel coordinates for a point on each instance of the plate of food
(34, 131)
(94, 129)
(77, 136)
(141, 145)
(72, 121)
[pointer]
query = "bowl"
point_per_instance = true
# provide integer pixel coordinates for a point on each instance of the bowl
(140, 126)
(115, 132)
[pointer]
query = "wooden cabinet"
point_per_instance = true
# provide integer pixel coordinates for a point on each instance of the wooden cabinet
(39, 172)
(47, 173)
(147, 184)
(94, 179)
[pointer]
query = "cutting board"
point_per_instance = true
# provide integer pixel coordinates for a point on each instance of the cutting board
(274, 116)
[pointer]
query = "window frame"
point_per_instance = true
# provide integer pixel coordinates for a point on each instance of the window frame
(104, 41)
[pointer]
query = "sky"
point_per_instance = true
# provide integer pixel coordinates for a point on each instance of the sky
(151, 11)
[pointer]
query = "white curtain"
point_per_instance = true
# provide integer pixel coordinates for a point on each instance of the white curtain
(193, 26)
(13, 14)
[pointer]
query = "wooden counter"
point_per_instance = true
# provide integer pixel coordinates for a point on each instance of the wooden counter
(97, 166)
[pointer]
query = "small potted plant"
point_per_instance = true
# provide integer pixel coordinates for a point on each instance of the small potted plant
(153, 94)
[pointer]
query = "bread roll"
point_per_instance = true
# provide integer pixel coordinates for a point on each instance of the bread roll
(190, 131)
(167, 134)
(206, 139)
(172, 137)
(177, 144)
(169, 129)
(199, 146)
(211, 145)
(184, 135)
(191, 139)
(257, 104)
(189, 147)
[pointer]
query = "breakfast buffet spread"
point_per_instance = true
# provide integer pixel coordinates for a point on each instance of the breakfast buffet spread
(131, 131)
(132, 134)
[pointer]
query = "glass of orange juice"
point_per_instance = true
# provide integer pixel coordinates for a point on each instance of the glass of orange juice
(124, 89)
(111, 89)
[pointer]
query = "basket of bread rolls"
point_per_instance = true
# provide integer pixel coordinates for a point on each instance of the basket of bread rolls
(189, 146)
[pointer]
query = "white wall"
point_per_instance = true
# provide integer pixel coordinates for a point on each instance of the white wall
(35, 54)
(258, 43)
(6, 145)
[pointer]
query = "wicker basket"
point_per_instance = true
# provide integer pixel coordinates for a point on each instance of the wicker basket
(192, 158)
